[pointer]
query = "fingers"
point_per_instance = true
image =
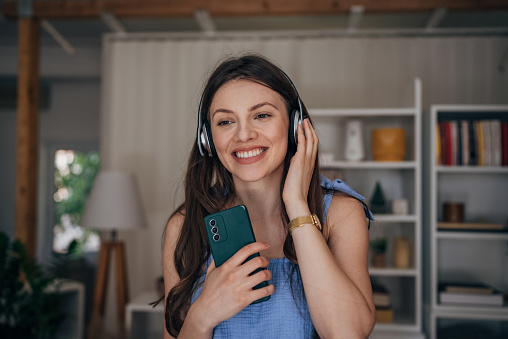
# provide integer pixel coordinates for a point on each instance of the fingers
(255, 263)
(239, 257)
(259, 277)
(262, 292)
(307, 137)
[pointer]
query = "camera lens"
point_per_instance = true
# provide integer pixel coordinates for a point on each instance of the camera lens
(214, 230)
(212, 222)
(216, 237)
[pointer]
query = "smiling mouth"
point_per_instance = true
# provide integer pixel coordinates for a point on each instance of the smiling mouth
(251, 153)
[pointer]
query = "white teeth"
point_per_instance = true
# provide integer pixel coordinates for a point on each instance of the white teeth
(250, 154)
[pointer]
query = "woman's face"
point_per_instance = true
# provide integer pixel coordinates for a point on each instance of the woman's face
(249, 125)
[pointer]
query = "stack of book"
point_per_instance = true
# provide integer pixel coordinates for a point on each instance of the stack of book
(384, 310)
(472, 142)
(469, 293)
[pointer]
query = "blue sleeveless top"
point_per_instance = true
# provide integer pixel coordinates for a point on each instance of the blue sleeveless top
(285, 315)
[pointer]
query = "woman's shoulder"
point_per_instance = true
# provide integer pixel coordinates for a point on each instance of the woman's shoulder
(340, 196)
(343, 204)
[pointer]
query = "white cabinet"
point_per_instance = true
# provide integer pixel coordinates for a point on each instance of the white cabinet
(399, 180)
(72, 305)
(460, 255)
(143, 320)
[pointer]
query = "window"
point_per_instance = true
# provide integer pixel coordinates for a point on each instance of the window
(74, 174)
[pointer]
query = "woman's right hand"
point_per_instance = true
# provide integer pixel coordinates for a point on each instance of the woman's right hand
(228, 289)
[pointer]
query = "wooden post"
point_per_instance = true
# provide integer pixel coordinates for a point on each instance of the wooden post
(28, 133)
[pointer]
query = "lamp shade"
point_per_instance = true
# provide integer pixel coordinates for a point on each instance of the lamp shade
(114, 203)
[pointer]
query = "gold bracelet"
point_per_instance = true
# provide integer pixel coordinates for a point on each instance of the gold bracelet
(300, 221)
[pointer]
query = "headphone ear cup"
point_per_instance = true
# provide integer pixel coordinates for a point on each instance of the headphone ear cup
(209, 140)
(294, 121)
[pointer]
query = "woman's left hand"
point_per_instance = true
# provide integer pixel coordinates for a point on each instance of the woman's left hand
(296, 187)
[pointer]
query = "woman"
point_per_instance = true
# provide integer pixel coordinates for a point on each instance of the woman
(249, 153)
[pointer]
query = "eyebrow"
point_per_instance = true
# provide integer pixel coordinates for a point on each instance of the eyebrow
(253, 108)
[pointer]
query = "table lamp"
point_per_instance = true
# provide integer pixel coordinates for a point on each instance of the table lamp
(114, 204)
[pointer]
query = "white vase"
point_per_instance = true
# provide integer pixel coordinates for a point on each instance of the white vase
(354, 141)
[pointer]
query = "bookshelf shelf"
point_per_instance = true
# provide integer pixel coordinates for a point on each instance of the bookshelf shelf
(500, 236)
(361, 112)
(371, 165)
(472, 312)
(393, 218)
(393, 272)
(472, 169)
(399, 180)
(462, 255)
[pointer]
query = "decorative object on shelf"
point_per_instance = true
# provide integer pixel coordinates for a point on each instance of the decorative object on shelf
(354, 141)
(400, 207)
(384, 315)
(378, 247)
(401, 252)
(388, 144)
(453, 211)
(378, 201)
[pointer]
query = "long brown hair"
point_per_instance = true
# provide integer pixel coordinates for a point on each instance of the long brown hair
(209, 186)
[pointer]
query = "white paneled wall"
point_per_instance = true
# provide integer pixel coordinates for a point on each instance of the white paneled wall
(151, 90)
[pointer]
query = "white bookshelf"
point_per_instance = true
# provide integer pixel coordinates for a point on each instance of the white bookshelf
(399, 180)
(466, 256)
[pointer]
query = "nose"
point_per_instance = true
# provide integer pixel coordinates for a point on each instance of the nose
(245, 131)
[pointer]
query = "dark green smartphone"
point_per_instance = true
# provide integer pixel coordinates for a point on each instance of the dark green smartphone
(228, 231)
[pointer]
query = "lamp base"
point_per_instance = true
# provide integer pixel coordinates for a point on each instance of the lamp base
(107, 248)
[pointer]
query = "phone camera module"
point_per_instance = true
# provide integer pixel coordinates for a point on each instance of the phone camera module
(216, 237)
(214, 230)
(212, 222)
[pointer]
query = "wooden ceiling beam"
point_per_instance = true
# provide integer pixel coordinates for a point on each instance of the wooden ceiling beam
(123, 9)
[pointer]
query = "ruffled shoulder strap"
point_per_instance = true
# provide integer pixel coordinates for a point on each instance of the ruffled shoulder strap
(338, 185)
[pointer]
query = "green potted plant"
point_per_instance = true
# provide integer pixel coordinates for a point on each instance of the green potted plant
(29, 297)
(378, 248)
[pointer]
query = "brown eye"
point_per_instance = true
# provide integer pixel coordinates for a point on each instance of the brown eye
(262, 115)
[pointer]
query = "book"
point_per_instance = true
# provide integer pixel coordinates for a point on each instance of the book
(442, 132)
(494, 299)
(458, 142)
(504, 142)
(438, 145)
(461, 287)
(453, 143)
(495, 142)
(470, 226)
(473, 151)
(380, 295)
(465, 143)
(479, 143)
(448, 143)
(487, 146)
